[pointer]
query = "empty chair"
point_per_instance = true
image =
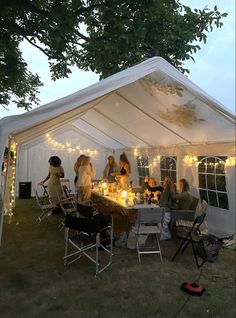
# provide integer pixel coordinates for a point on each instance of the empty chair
(149, 221)
(45, 206)
(88, 237)
(45, 191)
(67, 192)
(65, 182)
(68, 206)
(191, 236)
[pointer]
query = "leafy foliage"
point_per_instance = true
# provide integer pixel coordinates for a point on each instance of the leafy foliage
(104, 36)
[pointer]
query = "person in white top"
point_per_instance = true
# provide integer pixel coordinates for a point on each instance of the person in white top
(84, 183)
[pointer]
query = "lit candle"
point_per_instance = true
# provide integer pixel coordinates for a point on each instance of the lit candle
(104, 185)
(124, 194)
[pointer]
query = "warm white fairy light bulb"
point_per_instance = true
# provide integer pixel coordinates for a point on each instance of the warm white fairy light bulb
(69, 146)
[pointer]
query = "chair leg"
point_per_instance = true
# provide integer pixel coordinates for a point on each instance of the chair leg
(182, 247)
(196, 257)
(137, 247)
(66, 245)
(97, 252)
(159, 247)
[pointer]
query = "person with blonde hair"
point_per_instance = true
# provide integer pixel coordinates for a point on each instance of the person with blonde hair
(152, 187)
(76, 167)
(111, 170)
(84, 183)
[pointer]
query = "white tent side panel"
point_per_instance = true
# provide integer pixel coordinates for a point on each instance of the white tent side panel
(33, 159)
(220, 221)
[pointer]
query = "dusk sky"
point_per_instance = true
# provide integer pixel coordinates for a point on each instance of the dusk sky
(213, 70)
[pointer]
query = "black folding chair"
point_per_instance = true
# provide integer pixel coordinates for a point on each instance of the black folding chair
(192, 236)
(89, 236)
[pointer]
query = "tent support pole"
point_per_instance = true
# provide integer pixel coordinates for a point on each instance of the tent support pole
(4, 190)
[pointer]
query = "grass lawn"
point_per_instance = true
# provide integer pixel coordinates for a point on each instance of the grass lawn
(35, 283)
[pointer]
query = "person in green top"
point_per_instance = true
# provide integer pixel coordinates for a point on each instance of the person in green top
(184, 197)
(172, 201)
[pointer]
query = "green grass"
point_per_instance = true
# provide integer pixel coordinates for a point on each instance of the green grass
(35, 283)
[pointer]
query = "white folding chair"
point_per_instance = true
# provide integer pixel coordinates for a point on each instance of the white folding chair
(149, 221)
(45, 206)
(68, 205)
(65, 184)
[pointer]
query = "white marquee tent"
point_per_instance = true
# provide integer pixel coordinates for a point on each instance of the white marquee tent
(150, 107)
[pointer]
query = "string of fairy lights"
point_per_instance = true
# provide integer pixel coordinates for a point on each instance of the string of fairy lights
(69, 147)
(12, 177)
(187, 160)
(12, 167)
(190, 160)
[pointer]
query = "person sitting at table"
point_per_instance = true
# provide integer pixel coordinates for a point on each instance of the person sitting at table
(111, 170)
(84, 183)
(173, 201)
(184, 197)
(151, 186)
(166, 201)
(125, 171)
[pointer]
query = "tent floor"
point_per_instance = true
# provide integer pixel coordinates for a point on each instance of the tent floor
(35, 283)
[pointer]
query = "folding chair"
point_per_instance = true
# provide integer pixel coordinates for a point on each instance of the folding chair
(149, 221)
(67, 192)
(90, 237)
(187, 223)
(45, 191)
(68, 206)
(45, 206)
(191, 236)
(186, 215)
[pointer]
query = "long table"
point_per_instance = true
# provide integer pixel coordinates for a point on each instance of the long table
(124, 216)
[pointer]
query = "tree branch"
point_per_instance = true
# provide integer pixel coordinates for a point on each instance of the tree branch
(41, 49)
(14, 27)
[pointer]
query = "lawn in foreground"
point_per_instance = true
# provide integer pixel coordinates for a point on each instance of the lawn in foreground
(35, 283)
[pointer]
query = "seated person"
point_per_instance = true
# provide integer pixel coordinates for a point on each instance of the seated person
(151, 186)
(172, 200)
(184, 197)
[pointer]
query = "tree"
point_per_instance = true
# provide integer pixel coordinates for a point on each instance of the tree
(118, 34)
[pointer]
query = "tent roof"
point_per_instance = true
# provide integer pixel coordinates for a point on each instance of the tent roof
(148, 105)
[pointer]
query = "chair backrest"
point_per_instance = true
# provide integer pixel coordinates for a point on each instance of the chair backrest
(203, 206)
(42, 201)
(150, 216)
(37, 196)
(198, 222)
(68, 206)
(65, 182)
(194, 204)
(66, 191)
(86, 210)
